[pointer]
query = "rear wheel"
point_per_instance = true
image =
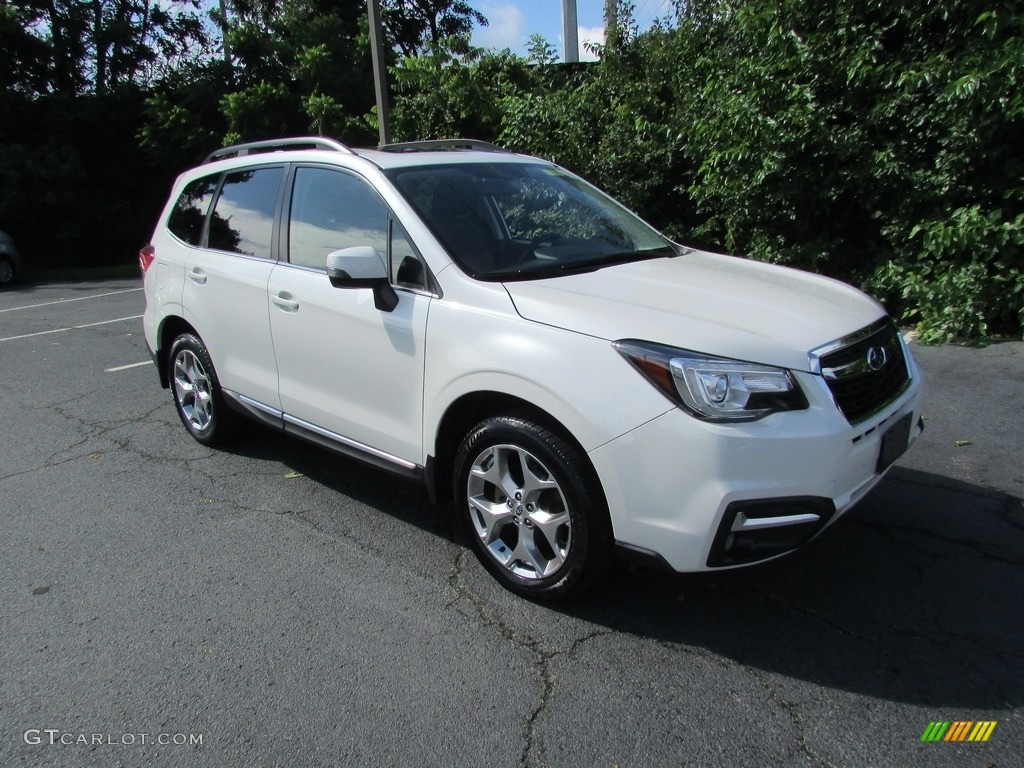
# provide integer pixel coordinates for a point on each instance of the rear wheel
(537, 518)
(196, 391)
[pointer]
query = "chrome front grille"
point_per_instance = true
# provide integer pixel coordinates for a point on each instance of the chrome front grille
(864, 371)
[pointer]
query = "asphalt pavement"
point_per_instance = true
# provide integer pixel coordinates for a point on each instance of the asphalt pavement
(270, 604)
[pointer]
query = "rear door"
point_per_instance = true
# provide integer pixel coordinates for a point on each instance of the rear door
(225, 294)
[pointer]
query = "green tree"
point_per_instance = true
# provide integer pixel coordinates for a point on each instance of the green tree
(68, 47)
(24, 57)
(440, 94)
(422, 26)
(299, 67)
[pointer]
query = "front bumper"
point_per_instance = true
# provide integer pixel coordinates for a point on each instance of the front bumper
(699, 496)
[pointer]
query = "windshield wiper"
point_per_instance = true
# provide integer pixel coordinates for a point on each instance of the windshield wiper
(605, 260)
(647, 253)
(557, 269)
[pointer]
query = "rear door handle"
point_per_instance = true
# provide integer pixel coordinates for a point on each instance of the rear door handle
(196, 275)
(285, 302)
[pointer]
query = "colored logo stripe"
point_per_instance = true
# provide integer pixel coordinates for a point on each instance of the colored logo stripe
(982, 730)
(959, 730)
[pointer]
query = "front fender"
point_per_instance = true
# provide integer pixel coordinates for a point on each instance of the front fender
(581, 381)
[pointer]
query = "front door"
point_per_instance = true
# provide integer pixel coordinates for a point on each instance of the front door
(344, 365)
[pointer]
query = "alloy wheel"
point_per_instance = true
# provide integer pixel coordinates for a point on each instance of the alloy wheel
(519, 511)
(193, 389)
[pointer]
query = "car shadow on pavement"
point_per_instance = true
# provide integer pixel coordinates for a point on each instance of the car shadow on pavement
(403, 500)
(913, 596)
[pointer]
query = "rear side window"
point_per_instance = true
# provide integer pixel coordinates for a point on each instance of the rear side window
(189, 214)
(243, 217)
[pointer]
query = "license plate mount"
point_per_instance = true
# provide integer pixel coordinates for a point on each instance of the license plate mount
(894, 443)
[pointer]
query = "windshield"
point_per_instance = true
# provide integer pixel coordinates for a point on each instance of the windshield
(522, 221)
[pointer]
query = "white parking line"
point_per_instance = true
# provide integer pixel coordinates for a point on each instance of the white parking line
(126, 367)
(39, 333)
(69, 328)
(108, 322)
(64, 301)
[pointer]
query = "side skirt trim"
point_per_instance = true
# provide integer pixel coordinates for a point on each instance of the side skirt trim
(322, 437)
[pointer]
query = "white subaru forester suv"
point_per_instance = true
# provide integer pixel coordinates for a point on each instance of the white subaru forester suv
(495, 327)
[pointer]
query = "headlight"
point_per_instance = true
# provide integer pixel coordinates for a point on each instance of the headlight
(714, 388)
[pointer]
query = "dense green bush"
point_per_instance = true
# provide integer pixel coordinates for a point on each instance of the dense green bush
(873, 141)
(76, 190)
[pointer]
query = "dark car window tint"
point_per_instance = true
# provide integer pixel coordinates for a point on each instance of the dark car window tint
(330, 211)
(186, 220)
(523, 221)
(450, 203)
(243, 218)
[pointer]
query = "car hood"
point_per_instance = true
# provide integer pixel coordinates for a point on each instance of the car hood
(704, 302)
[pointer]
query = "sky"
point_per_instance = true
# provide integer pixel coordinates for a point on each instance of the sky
(513, 21)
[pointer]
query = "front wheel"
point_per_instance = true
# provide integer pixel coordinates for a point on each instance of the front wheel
(537, 517)
(196, 391)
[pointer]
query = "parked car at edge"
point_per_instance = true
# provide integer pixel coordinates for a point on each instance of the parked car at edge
(497, 328)
(10, 260)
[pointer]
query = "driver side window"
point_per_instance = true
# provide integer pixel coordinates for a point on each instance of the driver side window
(331, 210)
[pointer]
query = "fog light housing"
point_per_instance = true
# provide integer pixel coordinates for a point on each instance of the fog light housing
(759, 529)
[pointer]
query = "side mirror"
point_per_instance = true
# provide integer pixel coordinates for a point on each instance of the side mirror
(362, 267)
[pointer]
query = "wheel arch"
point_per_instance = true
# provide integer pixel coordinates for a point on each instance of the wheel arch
(467, 411)
(171, 328)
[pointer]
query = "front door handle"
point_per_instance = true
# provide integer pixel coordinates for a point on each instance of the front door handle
(285, 302)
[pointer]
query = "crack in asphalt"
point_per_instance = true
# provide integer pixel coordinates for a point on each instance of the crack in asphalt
(953, 485)
(1011, 508)
(983, 552)
(791, 710)
(96, 430)
(533, 752)
(937, 640)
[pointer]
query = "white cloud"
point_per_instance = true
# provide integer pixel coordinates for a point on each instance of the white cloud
(589, 35)
(505, 29)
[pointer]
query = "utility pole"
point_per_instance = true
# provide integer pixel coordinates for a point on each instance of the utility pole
(570, 33)
(611, 22)
(380, 73)
(224, 32)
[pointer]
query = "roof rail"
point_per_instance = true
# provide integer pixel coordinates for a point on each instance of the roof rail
(427, 146)
(276, 145)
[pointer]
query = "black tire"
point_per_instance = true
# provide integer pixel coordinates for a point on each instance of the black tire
(537, 517)
(7, 274)
(196, 391)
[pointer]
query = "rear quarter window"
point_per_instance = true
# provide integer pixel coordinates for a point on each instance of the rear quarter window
(189, 213)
